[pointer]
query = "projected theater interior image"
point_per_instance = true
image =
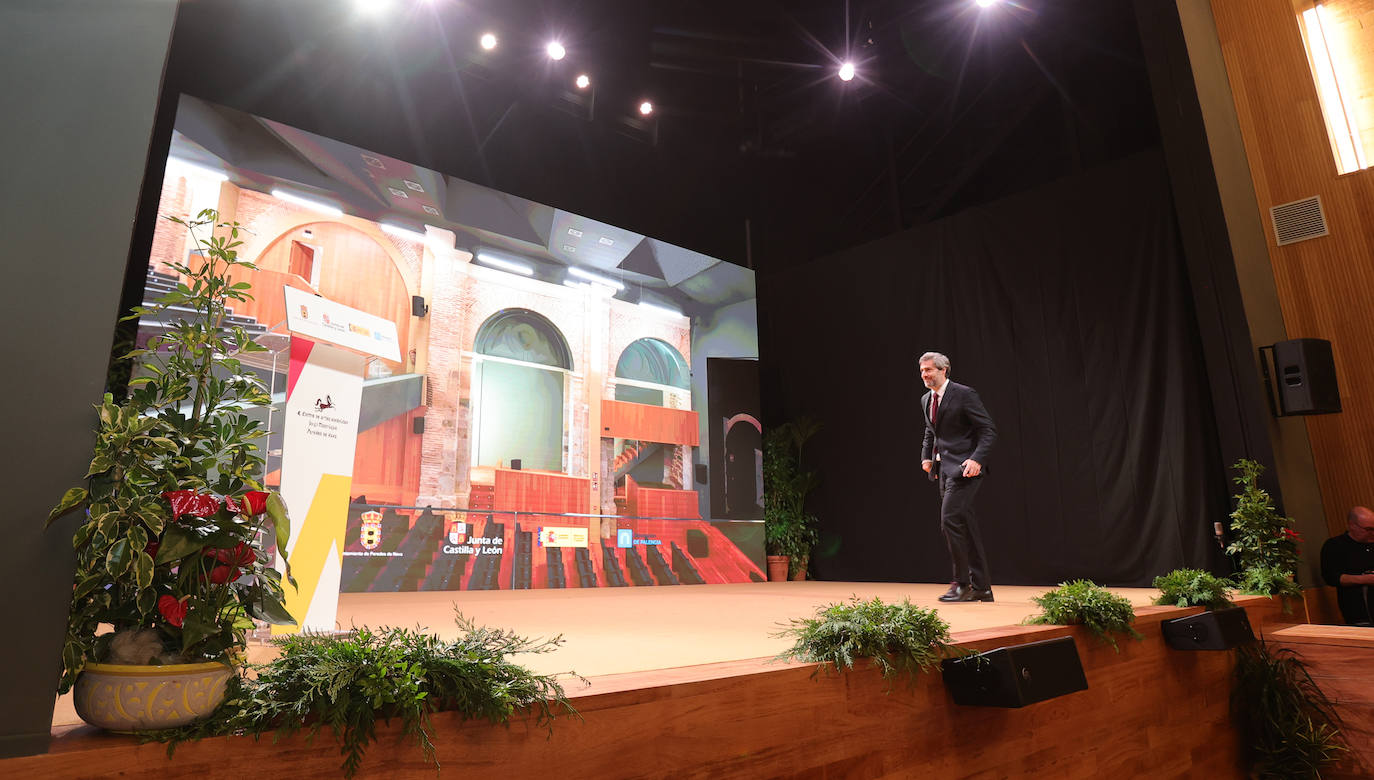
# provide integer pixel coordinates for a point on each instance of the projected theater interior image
(575, 405)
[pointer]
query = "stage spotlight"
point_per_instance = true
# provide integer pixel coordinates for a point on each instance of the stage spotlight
(646, 108)
(582, 81)
(555, 50)
(847, 72)
(488, 41)
(986, 3)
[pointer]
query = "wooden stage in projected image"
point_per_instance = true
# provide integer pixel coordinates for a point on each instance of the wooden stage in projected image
(681, 683)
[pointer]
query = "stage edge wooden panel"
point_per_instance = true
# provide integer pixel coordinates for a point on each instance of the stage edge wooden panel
(1149, 711)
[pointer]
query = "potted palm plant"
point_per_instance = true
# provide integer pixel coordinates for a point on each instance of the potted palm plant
(171, 553)
(789, 530)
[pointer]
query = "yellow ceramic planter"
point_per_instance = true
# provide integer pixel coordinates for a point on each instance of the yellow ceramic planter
(126, 697)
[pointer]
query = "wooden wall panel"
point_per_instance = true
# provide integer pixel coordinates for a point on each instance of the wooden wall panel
(1325, 284)
(386, 463)
(540, 491)
(354, 270)
(641, 422)
(1149, 711)
(1341, 660)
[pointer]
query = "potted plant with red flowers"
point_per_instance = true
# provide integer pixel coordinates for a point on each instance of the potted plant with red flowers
(172, 567)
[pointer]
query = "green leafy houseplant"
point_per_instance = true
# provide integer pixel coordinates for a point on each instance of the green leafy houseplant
(898, 638)
(1081, 602)
(788, 528)
(1264, 542)
(1192, 588)
(170, 549)
(347, 683)
(1289, 728)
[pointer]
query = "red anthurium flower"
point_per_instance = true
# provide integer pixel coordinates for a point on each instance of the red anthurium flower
(240, 555)
(222, 574)
(254, 502)
(189, 502)
(173, 610)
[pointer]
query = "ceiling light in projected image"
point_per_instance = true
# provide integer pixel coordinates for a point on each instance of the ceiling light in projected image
(401, 231)
(485, 257)
(310, 203)
(596, 278)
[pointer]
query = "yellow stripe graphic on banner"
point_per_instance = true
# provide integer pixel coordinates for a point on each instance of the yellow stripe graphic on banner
(325, 522)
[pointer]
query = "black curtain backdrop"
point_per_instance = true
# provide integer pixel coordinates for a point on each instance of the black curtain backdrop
(1068, 309)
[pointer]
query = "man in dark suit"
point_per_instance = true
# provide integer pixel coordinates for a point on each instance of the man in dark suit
(959, 435)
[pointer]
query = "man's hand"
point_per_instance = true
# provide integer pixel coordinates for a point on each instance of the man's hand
(1358, 579)
(972, 468)
(926, 464)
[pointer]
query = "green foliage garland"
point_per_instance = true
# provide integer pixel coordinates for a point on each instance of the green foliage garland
(1192, 588)
(1081, 602)
(347, 683)
(899, 638)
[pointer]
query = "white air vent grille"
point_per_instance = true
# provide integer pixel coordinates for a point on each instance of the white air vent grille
(1299, 220)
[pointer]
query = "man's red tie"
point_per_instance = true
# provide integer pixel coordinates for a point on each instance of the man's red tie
(934, 406)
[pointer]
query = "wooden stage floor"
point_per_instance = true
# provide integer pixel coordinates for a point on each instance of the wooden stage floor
(621, 638)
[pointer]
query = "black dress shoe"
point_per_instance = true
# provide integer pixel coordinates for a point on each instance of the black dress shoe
(980, 595)
(956, 592)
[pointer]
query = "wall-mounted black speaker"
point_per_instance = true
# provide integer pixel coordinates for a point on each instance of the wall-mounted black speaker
(1219, 630)
(703, 472)
(1017, 675)
(417, 425)
(417, 306)
(515, 464)
(697, 544)
(1305, 377)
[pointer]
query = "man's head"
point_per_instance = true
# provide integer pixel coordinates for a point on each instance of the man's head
(934, 369)
(1360, 524)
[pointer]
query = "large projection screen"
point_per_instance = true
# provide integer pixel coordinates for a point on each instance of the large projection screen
(549, 424)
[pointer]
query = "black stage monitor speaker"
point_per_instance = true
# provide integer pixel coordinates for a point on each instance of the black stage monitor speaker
(1305, 375)
(417, 425)
(1219, 630)
(515, 464)
(1016, 676)
(697, 544)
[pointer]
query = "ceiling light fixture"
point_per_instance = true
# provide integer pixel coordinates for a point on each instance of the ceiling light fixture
(646, 108)
(555, 50)
(309, 203)
(596, 278)
(401, 231)
(488, 41)
(486, 258)
(583, 81)
(847, 72)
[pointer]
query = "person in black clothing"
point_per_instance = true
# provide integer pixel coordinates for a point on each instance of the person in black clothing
(1348, 566)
